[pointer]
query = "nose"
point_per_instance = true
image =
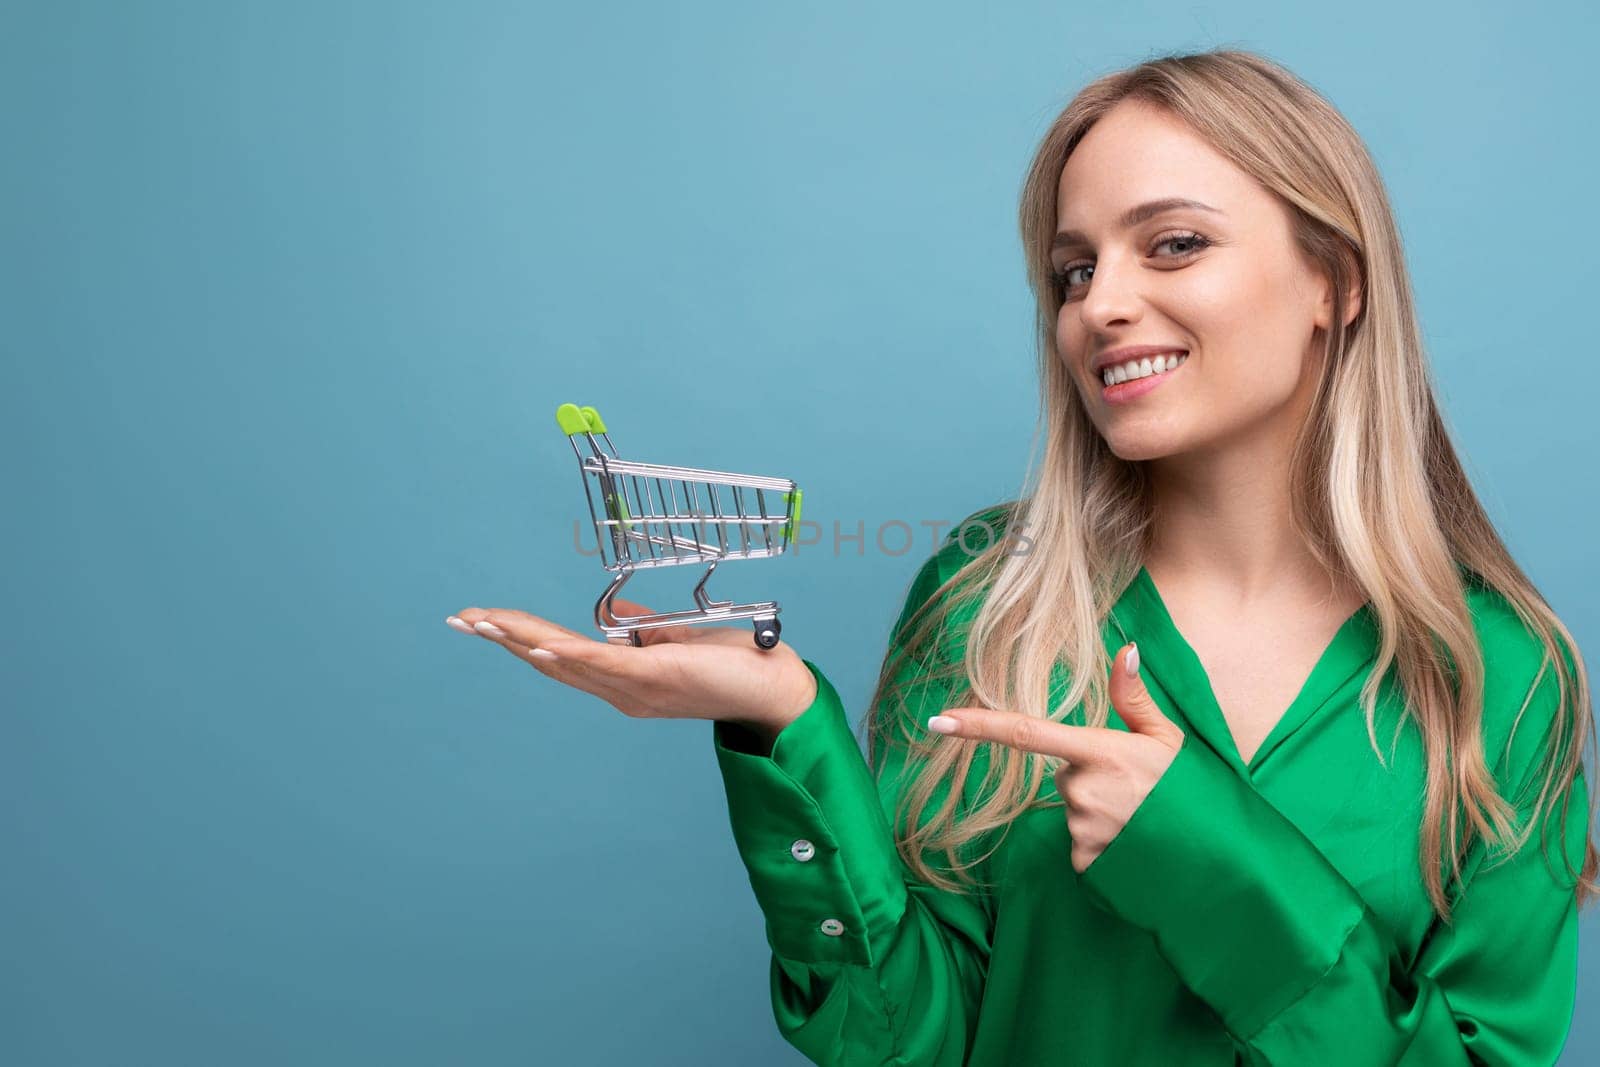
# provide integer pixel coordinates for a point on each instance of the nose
(1112, 300)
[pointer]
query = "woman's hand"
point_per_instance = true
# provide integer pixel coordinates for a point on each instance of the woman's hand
(1106, 773)
(680, 672)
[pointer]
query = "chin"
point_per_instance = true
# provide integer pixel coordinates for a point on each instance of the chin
(1136, 454)
(1131, 444)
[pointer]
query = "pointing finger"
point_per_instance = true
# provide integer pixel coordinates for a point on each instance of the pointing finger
(1076, 744)
(1134, 702)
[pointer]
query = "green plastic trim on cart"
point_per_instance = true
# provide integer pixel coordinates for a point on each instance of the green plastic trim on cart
(618, 507)
(573, 420)
(794, 520)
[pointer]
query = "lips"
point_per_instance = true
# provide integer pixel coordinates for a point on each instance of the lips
(1130, 352)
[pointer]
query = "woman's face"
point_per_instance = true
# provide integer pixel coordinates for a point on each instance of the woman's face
(1225, 285)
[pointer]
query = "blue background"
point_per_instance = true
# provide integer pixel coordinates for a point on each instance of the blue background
(288, 295)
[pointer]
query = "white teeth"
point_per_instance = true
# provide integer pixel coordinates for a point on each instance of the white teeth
(1141, 368)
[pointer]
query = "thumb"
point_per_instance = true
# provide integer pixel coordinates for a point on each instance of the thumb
(656, 635)
(629, 607)
(684, 633)
(1134, 702)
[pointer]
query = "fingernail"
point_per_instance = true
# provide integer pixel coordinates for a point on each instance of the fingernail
(486, 627)
(943, 724)
(460, 624)
(541, 653)
(1132, 662)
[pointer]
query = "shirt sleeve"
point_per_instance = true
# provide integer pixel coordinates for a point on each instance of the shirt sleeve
(868, 963)
(1258, 924)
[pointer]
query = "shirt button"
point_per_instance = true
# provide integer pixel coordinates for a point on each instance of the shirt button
(802, 850)
(832, 927)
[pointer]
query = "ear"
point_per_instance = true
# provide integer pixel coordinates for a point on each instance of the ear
(1353, 297)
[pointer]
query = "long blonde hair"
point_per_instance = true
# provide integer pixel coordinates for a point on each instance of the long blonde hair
(1379, 497)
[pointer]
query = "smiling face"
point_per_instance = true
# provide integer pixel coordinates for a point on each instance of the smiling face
(1226, 284)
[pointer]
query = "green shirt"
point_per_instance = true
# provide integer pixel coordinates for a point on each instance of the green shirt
(1269, 913)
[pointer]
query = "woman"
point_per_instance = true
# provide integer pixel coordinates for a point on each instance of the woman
(1235, 569)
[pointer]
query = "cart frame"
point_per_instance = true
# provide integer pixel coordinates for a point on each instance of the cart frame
(640, 524)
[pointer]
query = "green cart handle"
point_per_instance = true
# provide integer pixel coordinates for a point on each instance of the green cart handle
(575, 420)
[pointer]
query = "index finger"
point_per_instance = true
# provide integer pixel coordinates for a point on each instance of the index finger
(1075, 744)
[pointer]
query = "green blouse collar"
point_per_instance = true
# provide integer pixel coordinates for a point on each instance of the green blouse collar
(1184, 691)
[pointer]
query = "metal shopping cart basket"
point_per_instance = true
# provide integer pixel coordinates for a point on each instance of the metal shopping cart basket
(719, 516)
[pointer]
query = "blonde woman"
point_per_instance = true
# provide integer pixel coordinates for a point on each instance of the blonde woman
(1316, 738)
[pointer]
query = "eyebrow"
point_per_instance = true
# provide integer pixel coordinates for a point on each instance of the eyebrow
(1135, 215)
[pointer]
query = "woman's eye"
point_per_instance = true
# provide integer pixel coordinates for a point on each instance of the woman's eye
(1065, 277)
(1192, 242)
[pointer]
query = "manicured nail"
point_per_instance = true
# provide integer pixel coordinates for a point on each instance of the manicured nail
(541, 653)
(943, 724)
(1132, 662)
(460, 624)
(484, 626)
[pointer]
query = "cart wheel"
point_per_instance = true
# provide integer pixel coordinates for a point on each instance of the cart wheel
(767, 632)
(634, 639)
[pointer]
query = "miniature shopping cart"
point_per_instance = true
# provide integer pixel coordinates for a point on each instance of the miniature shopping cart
(650, 515)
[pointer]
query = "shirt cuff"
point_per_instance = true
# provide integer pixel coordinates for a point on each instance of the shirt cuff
(1244, 907)
(813, 836)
